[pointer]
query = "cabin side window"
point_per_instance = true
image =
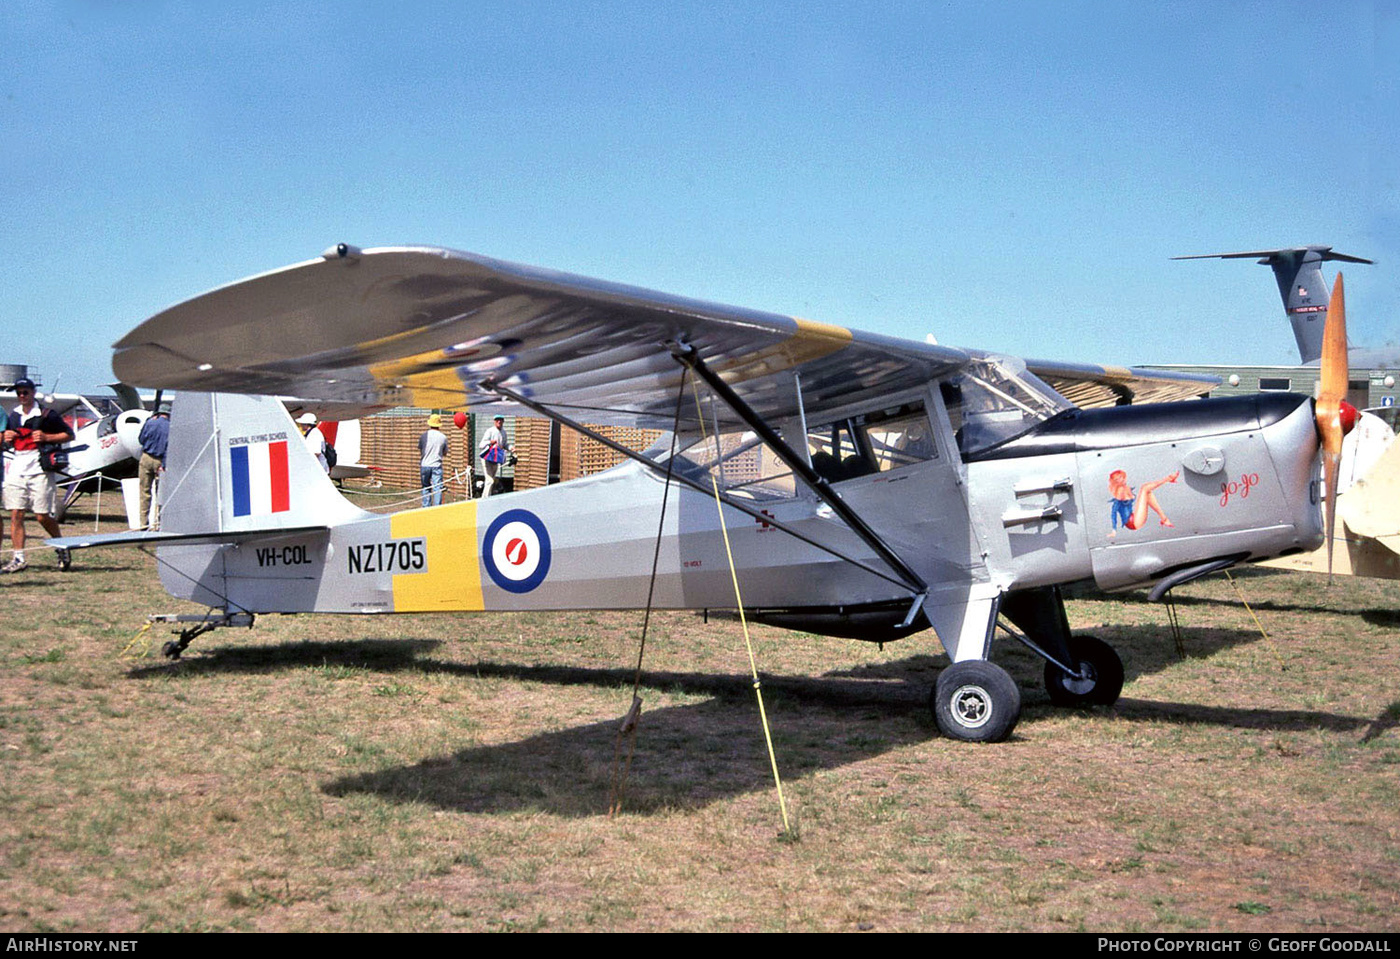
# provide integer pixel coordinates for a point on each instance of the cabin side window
(898, 437)
(874, 442)
(834, 453)
(738, 461)
(860, 445)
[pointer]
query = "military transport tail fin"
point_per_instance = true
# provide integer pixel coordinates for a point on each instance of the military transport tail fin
(1300, 284)
(238, 464)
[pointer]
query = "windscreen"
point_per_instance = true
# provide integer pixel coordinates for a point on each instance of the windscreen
(995, 399)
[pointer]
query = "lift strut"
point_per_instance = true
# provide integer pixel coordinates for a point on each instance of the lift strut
(819, 484)
(916, 586)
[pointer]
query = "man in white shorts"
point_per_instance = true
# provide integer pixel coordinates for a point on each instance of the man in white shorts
(30, 431)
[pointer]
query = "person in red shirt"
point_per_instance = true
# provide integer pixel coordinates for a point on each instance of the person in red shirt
(30, 432)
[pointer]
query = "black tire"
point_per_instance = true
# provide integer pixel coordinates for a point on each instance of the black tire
(1105, 671)
(64, 500)
(976, 701)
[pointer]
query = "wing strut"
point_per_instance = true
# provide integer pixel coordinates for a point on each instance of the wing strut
(690, 357)
(655, 467)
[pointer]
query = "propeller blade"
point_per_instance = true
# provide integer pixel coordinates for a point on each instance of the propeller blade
(1331, 398)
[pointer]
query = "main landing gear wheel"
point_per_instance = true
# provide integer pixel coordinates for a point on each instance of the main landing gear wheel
(1103, 675)
(976, 701)
(67, 499)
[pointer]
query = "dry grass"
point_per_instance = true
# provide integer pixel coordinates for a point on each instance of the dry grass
(452, 772)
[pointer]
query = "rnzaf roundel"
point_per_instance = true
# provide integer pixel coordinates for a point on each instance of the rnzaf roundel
(516, 551)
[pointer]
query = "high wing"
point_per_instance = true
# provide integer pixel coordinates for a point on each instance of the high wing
(427, 327)
(1086, 385)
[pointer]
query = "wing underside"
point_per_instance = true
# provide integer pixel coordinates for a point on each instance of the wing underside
(429, 327)
(414, 326)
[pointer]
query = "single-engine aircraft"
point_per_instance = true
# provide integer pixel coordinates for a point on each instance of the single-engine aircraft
(101, 453)
(842, 482)
(105, 448)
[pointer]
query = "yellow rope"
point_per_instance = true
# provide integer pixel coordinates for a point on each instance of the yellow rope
(1262, 631)
(743, 620)
(138, 638)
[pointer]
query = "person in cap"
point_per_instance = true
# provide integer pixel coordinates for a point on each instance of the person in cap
(493, 450)
(155, 436)
(33, 434)
(432, 447)
(314, 439)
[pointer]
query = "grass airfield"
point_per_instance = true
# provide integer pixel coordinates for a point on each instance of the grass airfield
(455, 772)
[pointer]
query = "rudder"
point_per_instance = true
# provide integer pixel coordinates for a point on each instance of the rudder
(238, 463)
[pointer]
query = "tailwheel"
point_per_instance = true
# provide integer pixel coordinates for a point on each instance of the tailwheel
(1100, 678)
(215, 618)
(976, 701)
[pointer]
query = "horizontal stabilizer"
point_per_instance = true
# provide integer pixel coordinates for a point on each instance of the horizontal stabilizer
(148, 538)
(1323, 252)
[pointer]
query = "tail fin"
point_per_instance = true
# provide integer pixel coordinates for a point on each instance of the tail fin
(1300, 284)
(238, 463)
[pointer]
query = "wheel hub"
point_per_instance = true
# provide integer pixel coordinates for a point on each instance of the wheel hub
(972, 706)
(1083, 684)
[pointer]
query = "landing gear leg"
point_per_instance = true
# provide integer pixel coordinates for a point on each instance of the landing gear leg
(973, 700)
(1079, 670)
(69, 497)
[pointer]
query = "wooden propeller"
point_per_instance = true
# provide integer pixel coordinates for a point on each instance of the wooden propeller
(1335, 416)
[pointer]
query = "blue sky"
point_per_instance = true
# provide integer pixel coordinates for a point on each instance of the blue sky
(1011, 176)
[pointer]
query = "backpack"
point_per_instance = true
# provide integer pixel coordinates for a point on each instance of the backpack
(53, 458)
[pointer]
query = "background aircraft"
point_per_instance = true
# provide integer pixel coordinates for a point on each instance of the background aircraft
(822, 478)
(1298, 272)
(1366, 538)
(106, 446)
